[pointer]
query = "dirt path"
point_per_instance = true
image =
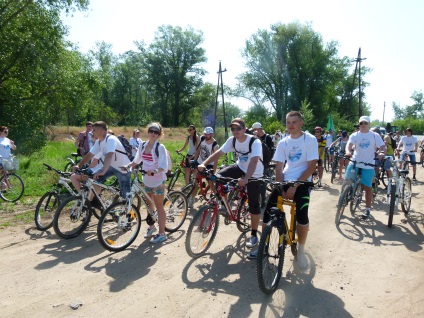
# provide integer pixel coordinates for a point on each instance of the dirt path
(360, 269)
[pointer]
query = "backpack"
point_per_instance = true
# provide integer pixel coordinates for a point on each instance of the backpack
(266, 152)
(394, 144)
(168, 155)
(125, 143)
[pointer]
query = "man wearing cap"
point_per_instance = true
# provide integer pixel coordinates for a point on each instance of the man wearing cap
(258, 130)
(247, 166)
(135, 141)
(366, 143)
(207, 146)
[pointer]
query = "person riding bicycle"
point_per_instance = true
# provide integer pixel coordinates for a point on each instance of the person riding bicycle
(410, 147)
(365, 142)
(114, 156)
(6, 145)
(207, 146)
(296, 157)
(192, 141)
(322, 143)
(342, 142)
(329, 137)
(247, 166)
(84, 141)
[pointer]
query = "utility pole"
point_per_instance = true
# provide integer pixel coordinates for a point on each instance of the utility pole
(358, 60)
(384, 110)
(220, 81)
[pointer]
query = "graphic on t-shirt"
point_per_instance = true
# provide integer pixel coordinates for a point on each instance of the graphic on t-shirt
(365, 143)
(205, 153)
(6, 147)
(244, 158)
(295, 153)
(408, 144)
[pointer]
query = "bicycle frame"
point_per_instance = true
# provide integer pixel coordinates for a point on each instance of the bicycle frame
(290, 234)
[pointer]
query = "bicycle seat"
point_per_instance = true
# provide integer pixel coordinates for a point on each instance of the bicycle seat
(74, 154)
(275, 212)
(404, 172)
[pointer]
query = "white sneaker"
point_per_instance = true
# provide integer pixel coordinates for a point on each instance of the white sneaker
(302, 260)
(190, 202)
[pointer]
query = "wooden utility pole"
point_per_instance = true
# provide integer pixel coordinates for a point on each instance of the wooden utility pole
(220, 85)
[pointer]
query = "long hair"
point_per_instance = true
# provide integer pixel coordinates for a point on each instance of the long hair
(194, 135)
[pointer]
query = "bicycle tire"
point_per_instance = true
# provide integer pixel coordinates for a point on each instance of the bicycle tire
(406, 193)
(188, 190)
(315, 177)
(117, 237)
(175, 204)
(358, 192)
(202, 231)
(342, 203)
(270, 259)
(45, 210)
(174, 179)
(392, 204)
(243, 216)
(334, 169)
(108, 196)
(13, 187)
(384, 179)
(72, 217)
(68, 167)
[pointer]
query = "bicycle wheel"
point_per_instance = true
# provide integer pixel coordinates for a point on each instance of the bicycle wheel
(188, 189)
(343, 201)
(243, 216)
(315, 177)
(118, 226)
(357, 193)
(45, 209)
(11, 187)
(68, 167)
(270, 259)
(327, 163)
(108, 196)
(383, 178)
(175, 205)
(71, 217)
(334, 169)
(174, 179)
(392, 203)
(202, 231)
(406, 194)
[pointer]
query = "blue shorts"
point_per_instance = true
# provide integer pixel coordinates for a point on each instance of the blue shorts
(331, 150)
(159, 190)
(366, 175)
(411, 158)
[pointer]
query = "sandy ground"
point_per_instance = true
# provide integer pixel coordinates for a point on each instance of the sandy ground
(359, 269)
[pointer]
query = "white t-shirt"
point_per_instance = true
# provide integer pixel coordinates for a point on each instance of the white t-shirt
(155, 163)
(191, 146)
(110, 144)
(365, 146)
(295, 153)
(243, 155)
(135, 142)
(329, 139)
(99, 166)
(409, 144)
(206, 150)
(5, 147)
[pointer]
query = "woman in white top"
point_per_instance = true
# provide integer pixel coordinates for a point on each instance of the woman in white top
(6, 145)
(135, 141)
(192, 140)
(155, 177)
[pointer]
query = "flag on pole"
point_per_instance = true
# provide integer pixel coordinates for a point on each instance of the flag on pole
(330, 124)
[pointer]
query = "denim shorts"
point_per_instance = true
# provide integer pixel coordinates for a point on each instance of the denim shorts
(411, 158)
(159, 190)
(366, 175)
(387, 164)
(124, 180)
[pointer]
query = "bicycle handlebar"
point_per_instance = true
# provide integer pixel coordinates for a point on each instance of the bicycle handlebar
(128, 169)
(62, 173)
(360, 162)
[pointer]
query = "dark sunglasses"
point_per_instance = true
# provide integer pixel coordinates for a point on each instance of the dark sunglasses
(363, 123)
(151, 131)
(238, 128)
(6, 131)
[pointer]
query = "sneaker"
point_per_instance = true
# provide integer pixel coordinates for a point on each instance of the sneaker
(159, 238)
(366, 214)
(150, 232)
(253, 255)
(414, 179)
(302, 260)
(252, 242)
(190, 202)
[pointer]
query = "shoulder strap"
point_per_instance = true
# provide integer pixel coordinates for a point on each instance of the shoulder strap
(157, 149)
(201, 140)
(252, 140)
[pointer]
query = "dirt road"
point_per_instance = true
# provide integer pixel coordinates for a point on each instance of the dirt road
(359, 269)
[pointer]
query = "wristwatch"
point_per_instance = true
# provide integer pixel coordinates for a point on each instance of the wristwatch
(156, 171)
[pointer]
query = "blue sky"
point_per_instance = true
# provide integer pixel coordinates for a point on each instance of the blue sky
(389, 33)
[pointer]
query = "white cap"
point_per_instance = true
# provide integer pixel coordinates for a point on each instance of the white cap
(256, 126)
(364, 118)
(208, 130)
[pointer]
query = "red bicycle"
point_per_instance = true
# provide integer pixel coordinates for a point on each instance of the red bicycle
(230, 201)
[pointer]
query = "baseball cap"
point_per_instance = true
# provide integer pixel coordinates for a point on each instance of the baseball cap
(239, 122)
(364, 118)
(208, 130)
(344, 133)
(256, 126)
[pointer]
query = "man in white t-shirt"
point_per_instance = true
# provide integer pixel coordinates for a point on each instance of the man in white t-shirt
(410, 147)
(365, 143)
(296, 158)
(114, 156)
(247, 166)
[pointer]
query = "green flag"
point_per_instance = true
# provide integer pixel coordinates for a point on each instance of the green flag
(330, 124)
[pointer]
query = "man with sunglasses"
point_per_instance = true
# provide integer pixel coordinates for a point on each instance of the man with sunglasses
(366, 143)
(247, 166)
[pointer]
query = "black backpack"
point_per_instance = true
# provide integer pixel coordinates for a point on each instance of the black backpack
(266, 152)
(125, 143)
(394, 145)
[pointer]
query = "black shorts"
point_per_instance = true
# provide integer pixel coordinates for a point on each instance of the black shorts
(319, 162)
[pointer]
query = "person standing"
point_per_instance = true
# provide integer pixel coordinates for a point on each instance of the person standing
(247, 166)
(342, 142)
(135, 141)
(366, 143)
(192, 141)
(410, 147)
(6, 145)
(84, 140)
(321, 152)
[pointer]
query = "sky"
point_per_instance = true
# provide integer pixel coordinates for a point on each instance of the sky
(389, 33)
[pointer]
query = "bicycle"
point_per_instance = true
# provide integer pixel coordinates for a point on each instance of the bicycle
(203, 186)
(276, 236)
(48, 203)
(326, 163)
(72, 162)
(176, 173)
(352, 191)
(120, 223)
(422, 156)
(204, 226)
(399, 190)
(11, 185)
(74, 213)
(335, 167)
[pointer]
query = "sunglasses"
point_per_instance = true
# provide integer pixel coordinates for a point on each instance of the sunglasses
(363, 123)
(6, 131)
(189, 129)
(151, 131)
(238, 128)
